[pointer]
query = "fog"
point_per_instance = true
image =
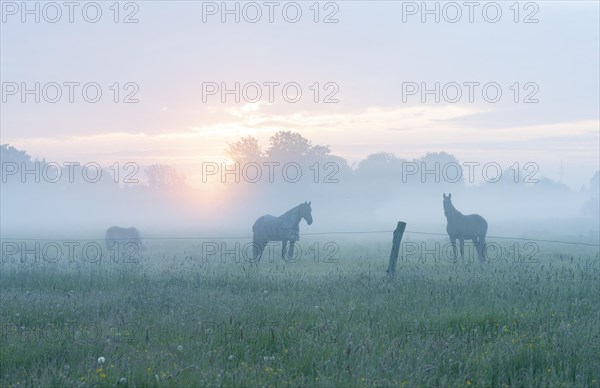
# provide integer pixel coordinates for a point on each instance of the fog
(40, 199)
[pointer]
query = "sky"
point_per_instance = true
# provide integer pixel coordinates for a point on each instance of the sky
(369, 63)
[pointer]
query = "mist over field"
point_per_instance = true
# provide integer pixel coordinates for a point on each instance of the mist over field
(62, 200)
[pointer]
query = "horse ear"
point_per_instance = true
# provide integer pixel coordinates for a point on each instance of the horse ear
(444, 194)
(309, 202)
(449, 195)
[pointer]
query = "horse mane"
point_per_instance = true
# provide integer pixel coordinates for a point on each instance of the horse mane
(291, 211)
(453, 211)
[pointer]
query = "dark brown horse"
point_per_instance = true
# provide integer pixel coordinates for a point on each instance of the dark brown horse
(123, 236)
(471, 227)
(284, 228)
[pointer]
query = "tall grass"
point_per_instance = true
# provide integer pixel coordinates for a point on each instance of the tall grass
(178, 318)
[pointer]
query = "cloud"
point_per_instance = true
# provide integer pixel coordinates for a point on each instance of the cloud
(408, 131)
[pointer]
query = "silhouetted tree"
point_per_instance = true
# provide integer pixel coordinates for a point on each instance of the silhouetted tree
(245, 150)
(440, 167)
(20, 162)
(163, 176)
(11, 154)
(381, 165)
(591, 207)
(287, 145)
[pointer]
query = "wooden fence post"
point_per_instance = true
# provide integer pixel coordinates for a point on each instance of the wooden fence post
(396, 247)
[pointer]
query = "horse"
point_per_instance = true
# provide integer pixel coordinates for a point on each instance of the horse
(284, 228)
(123, 236)
(470, 227)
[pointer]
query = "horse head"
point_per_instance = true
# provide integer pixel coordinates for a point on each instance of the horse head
(306, 212)
(448, 207)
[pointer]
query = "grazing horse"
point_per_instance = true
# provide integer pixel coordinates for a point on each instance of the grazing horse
(461, 227)
(284, 228)
(123, 236)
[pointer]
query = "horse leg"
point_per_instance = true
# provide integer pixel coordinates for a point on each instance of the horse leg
(257, 249)
(283, 249)
(263, 244)
(291, 251)
(453, 242)
(462, 248)
(481, 248)
(476, 246)
(110, 247)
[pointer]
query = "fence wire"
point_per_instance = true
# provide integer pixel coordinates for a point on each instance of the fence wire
(323, 234)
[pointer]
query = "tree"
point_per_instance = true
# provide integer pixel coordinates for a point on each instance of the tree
(595, 185)
(287, 145)
(15, 161)
(11, 154)
(245, 150)
(320, 152)
(380, 164)
(592, 206)
(440, 167)
(163, 176)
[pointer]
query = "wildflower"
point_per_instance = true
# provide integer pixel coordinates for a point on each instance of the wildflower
(231, 357)
(122, 380)
(101, 373)
(180, 348)
(101, 360)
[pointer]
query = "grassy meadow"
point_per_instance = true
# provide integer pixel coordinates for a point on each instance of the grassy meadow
(192, 313)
